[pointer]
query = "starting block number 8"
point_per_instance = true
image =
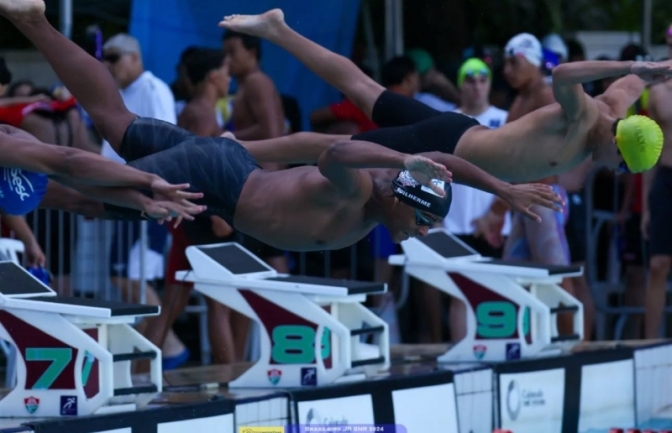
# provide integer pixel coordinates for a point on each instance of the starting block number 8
(295, 344)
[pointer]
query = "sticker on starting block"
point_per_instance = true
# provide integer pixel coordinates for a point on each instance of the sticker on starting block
(356, 428)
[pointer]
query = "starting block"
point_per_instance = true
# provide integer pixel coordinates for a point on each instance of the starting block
(511, 306)
(73, 354)
(310, 328)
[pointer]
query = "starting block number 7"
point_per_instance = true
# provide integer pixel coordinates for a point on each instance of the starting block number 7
(60, 358)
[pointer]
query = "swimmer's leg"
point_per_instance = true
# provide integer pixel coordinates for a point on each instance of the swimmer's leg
(85, 77)
(299, 148)
(333, 68)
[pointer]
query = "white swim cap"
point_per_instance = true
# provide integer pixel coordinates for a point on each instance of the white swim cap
(553, 42)
(525, 45)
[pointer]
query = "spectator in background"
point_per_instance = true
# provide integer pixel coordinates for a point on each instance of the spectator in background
(474, 80)
(657, 210)
(554, 43)
(344, 112)
(257, 115)
(182, 88)
(147, 96)
(401, 75)
(20, 88)
(432, 81)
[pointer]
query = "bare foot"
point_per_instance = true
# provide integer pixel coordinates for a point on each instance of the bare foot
(263, 26)
(22, 10)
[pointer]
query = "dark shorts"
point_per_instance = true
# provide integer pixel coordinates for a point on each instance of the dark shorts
(575, 229)
(260, 249)
(216, 166)
(660, 209)
(633, 246)
(409, 126)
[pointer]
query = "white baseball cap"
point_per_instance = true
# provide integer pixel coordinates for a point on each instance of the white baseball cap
(527, 46)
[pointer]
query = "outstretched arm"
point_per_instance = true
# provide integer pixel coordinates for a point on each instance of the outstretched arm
(23, 151)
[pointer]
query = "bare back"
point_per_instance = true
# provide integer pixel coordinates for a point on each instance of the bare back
(540, 144)
(198, 117)
(300, 210)
(660, 104)
(257, 93)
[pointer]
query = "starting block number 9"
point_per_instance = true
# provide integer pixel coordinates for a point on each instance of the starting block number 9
(498, 320)
(295, 344)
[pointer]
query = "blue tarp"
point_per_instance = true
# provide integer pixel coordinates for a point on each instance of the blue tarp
(166, 27)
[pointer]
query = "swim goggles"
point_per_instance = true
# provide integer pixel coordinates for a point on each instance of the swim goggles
(422, 220)
(471, 73)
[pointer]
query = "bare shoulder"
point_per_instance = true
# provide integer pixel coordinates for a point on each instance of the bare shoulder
(259, 81)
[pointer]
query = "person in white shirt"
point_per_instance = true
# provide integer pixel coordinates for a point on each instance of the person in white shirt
(474, 80)
(146, 96)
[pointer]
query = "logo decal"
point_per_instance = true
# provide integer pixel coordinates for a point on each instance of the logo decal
(441, 184)
(69, 405)
(513, 402)
(308, 376)
(406, 179)
(32, 404)
(512, 351)
(479, 351)
(15, 178)
(274, 376)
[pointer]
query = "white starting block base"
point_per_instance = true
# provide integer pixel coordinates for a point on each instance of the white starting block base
(511, 306)
(310, 328)
(73, 355)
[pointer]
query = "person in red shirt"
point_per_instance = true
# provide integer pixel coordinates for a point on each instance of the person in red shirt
(344, 111)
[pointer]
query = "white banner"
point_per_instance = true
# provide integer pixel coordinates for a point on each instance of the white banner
(532, 402)
(607, 395)
(430, 409)
(357, 409)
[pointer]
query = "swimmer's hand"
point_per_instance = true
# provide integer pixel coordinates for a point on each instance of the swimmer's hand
(163, 211)
(521, 198)
(424, 170)
(164, 191)
(652, 72)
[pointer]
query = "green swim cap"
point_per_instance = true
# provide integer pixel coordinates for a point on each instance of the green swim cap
(422, 59)
(473, 67)
(640, 141)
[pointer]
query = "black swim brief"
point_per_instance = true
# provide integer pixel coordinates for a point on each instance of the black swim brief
(660, 210)
(216, 166)
(409, 126)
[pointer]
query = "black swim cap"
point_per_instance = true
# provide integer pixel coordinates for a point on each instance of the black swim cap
(420, 197)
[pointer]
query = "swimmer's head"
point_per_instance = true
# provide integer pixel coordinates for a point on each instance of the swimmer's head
(523, 59)
(639, 141)
(413, 209)
(473, 79)
(243, 52)
(123, 57)
(208, 67)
